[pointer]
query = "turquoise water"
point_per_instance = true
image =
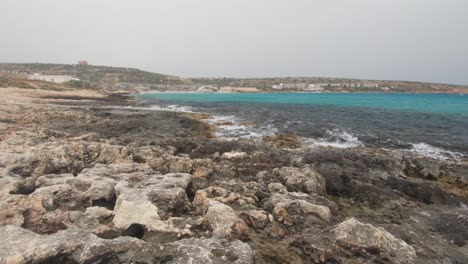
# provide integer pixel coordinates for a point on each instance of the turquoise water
(434, 103)
(433, 124)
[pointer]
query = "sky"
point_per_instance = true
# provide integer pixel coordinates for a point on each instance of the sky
(418, 40)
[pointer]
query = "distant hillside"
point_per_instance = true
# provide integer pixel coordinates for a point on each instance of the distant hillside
(266, 84)
(99, 77)
(118, 78)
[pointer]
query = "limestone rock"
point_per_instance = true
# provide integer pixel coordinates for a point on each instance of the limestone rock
(255, 218)
(18, 245)
(277, 188)
(352, 233)
(133, 207)
(302, 180)
(223, 219)
(290, 212)
(169, 163)
(202, 251)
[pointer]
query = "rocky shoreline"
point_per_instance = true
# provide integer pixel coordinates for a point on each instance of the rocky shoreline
(84, 181)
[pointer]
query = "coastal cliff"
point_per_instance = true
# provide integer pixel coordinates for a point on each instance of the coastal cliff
(87, 179)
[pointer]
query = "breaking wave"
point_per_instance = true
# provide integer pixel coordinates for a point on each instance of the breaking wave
(336, 138)
(434, 152)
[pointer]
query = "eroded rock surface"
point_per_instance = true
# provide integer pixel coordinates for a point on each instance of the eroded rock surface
(83, 182)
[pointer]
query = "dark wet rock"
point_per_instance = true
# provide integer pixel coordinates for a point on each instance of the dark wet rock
(287, 140)
(427, 192)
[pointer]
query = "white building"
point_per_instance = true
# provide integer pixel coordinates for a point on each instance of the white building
(299, 86)
(207, 89)
(52, 78)
(314, 88)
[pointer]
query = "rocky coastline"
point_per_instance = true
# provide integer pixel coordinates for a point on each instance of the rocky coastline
(86, 180)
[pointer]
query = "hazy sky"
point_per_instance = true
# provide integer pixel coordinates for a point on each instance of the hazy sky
(424, 40)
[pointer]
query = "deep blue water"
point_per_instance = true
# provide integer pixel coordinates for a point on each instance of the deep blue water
(383, 120)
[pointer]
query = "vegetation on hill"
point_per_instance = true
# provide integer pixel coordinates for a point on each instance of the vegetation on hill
(118, 78)
(98, 77)
(266, 84)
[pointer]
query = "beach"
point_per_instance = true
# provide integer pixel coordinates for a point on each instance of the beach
(94, 177)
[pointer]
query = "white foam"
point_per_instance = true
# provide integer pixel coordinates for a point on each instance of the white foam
(336, 138)
(233, 131)
(173, 108)
(434, 152)
(237, 130)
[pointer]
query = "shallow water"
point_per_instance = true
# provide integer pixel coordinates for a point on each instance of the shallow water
(431, 124)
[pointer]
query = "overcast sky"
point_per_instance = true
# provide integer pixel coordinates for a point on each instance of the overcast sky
(422, 40)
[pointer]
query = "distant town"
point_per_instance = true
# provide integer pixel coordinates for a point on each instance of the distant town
(84, 75)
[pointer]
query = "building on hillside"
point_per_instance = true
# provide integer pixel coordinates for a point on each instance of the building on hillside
(245, 89)
(52, 78)
(294, 85)
(313, 88)
(298, 86)
(277, 86)
(82, 62)
(370, 85)
(207, 89)
(225, 89)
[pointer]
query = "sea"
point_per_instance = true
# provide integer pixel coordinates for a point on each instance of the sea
(434, 125)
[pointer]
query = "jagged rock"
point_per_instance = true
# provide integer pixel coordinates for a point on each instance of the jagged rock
(168, 163)
(96, 220)
(202, 196)
(302, 180)
(352, 233)
(277, 188)
(202, 168)
(9, 185)
(132, 207)
(223, 220)
(256, 218)
(10, 217)
(224, 196)
(202, 251)
(422, 167)
(290, 212)
(18, 245)
(147, 205)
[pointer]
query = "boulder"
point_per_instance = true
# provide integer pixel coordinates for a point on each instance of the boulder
(134, 207)
(277, 188)
(305, 179)
(352, 233)
(256, 218)
(223, 220)
(291, 212)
